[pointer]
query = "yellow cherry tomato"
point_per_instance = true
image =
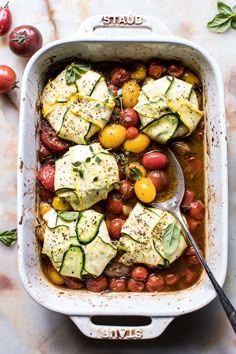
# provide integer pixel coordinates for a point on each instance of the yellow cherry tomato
(112, 136)
(139, 72)
(138, 144)
(44, 208)
(145, 190)
(60, 204)
(130, 93)
(190, 78)
(54, 276)
(135, 171)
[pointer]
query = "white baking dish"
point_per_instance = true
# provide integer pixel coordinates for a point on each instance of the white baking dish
(102, 39)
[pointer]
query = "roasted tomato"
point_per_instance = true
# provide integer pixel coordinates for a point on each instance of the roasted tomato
(129, 117)
(119, 76)
(160, 180)
(126, 189)
(115, 227)
(114, 203)
(50, 139)
(155, 160)
(145, 190)
(46, 176)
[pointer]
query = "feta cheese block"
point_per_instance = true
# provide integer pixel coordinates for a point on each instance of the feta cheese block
(77, 243)
(151, 236)
(168, 108)
(85, 175)
(77, 111)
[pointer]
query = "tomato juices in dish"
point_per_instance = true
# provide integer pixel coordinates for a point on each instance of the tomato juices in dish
(102, 152)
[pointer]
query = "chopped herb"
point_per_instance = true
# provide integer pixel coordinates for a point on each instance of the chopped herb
(80, 172)
(77, 163)
(97, 159)
(91, 149)
(8, 237)
(88, 159)
(95, 179)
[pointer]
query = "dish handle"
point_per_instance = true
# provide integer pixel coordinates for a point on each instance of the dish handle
(99, 331)
(110, 26)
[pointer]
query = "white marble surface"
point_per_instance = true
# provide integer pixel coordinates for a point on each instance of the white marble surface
(26, 327)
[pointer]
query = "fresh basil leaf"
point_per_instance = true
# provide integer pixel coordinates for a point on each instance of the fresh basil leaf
(68, 215)
(74, 71)
(224, 8)
(171, 238)
(8, 237)
(234, 9)
(233, 23)
(220, 23)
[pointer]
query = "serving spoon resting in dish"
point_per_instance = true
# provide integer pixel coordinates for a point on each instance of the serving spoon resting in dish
(173, 205)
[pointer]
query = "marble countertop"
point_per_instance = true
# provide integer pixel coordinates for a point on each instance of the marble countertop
(26, 327)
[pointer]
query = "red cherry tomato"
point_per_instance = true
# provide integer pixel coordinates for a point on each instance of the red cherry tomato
(155, 282)
(7, 79)
(73, 283)
(115, 227)
(155, 160)
(139, 273)
(135, 286)
(191, 276)
(117, 284)
(187, 199)
(50, 139)
(129, 117)
(196, 210)
(119, 76)
(114, 203)
(192, 166)
(45, 195)
(193, 224)
(25, 40)
(5, 19)
(46, 176)
(98, 284)
(126, 189)
(132, 132)
(172, 278)
(159, 179)
(113, 89)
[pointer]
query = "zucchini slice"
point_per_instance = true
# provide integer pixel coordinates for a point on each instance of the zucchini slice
(163, 128)
(88, 225)
(73, 262)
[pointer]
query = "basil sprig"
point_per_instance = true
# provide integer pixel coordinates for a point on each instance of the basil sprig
(224, 20)
(75, 71)
(171, 238)
(8, 237)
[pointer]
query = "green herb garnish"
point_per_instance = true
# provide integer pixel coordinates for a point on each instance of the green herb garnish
(171, 238)
(75, 71)
(8, 237)
(224, 20)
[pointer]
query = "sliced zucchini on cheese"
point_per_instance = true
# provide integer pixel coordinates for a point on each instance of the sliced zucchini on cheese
(73, 262)
(85, 175)
(150, 236)
(78, 110)
(166, 97)
(79, 243)
(162, 129)
(88, 225)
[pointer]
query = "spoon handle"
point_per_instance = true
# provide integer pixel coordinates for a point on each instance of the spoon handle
(228, 307)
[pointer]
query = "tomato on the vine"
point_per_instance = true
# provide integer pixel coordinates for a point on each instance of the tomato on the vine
(7, 79)
(25, 40)
(5, 19)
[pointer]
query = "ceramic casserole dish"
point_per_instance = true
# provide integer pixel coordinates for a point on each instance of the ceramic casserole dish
(123, 39)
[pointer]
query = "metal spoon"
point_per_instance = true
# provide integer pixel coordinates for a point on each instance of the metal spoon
(173, 205)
